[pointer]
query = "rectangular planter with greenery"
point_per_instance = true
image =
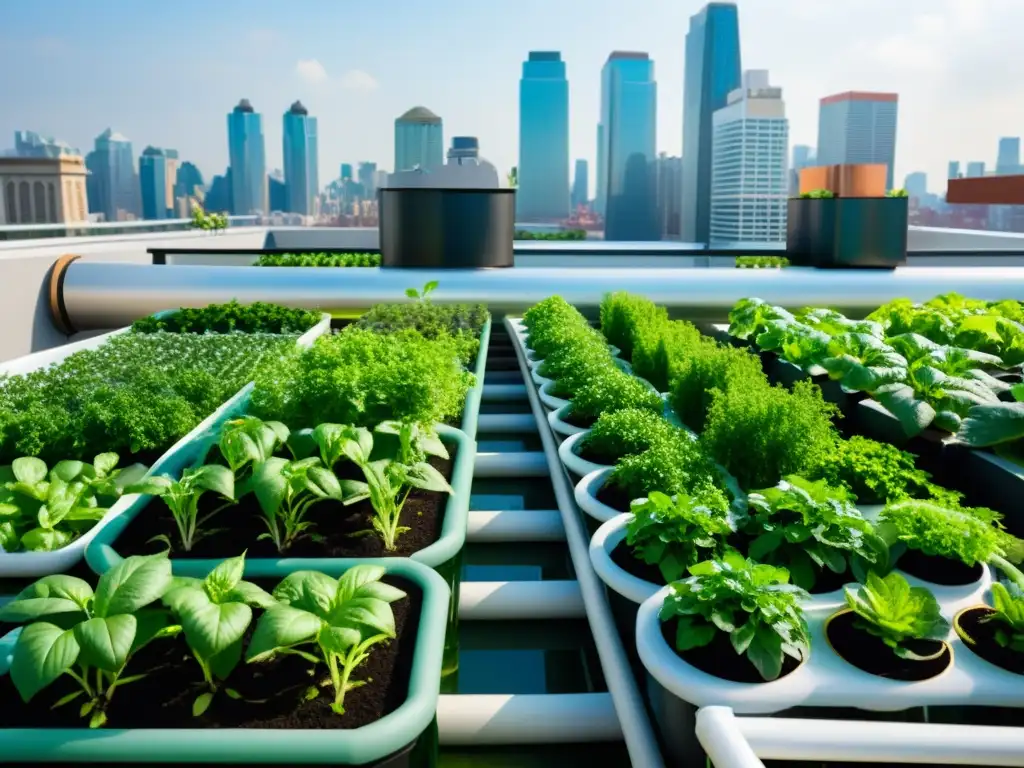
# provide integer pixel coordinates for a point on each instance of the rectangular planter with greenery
(140, 667)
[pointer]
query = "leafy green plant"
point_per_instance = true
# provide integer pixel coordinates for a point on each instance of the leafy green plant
(548, 321)
(423, 294)
(676, 532)
(623, 315)
(997, 425)
(247, 441)
(210, 222)
(1008, 616)
(897, 193)
(214, 613)
(752, 603)
(182, 498)
(807, 527)
(462, 322)
(612, 390)
(895, 612)
(660, 347)
(341, 621)
(286, 490)
(89, 636)
(318, 260)
(761, 262)
(232, 317)
(628, 431)
(761, 433)
(818, 194)
(42, 509)
(708, 367)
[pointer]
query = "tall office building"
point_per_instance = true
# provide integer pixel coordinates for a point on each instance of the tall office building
(803, 157)
(975, 169)
(954, 170)
(419, 140)
(750, 148)
(601, 170)
(858, 127)
(218, 196)
(301, 179)
(346, 172)
(368, 180)
(629, 96)
(670, 185)
(463, 148)
(543, 193)
(712, 72)
(153, 176)
(113, 184)
(580, 185)
(247, 160)
(189, 187)
(1008, 157)
(916, 184)
(32, 144)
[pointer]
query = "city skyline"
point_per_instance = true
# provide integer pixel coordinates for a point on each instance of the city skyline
(958, 91)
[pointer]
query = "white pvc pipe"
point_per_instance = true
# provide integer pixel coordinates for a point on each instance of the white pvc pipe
(720, 736)
(504, 393)
(550, 718)
(515, 600)
(629, 705)
(514, 525)
(510, 464)
(779, 738)
(518, 423)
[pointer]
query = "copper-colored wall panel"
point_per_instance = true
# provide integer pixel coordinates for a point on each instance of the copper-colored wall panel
(987, 190)
(845, 180)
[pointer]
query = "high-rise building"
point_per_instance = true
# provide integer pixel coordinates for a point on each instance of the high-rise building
(857, 127)
(975, 169)
(629, 96)
(368, 180)
(218, 196)
(1008, 158)
(189, 188)
(248, 160)
(32, 144)
(916, 184)
(419, 140)
(670, 185)
(277, 190)
(464, 147)
(173, 161)
(749, 180)
(346, 172)
(301, 178)
(580, 184)
(711, 73)
(153, 173)
(113, 185)
(543, 193)
(954, 170)
(602, 168)
(803, 157)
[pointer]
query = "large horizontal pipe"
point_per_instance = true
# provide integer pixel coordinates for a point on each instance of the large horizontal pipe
(108, 295)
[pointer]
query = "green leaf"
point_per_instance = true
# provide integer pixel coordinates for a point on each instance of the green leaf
(42, 654)
(201, 704)
(152, 624)
(323, 483)
(29, 470)
(104, 463)
(225, 577)
(423, 475)
(224, 663)
(412, 293)
(988, 425)
(247, 592)
(210, 628)
(693, 634)
(59, 586)
(270, 485)
(902, 402)
(132, 584)
(282, 627)
(68, 470)
(216, 478)
(106, 642)
(356, 579)
(45, 540)
(765, 652)
(310, 591)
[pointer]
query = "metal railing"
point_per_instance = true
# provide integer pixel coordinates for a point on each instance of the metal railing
(109, 228)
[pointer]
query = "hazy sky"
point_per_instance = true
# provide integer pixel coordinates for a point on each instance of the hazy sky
(167, 73)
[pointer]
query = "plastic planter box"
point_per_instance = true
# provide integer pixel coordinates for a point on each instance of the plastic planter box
(25, 564)
(471, 412)
(404, 738)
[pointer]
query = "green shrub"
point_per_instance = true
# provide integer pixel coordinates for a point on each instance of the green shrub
(669, 466)
(762, 433)
(258, 317)
(706, 367)
(660, 347)
(548, 320)
(625, 432)
(612, 390)
(463, 322)
(623, 315)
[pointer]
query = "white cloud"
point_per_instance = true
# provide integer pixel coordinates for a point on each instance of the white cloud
(358, 80)
(311, 70)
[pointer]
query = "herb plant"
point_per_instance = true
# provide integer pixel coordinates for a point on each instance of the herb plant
(182, 499)
(660, 348)
(676, 532)
(89, 636)
(545, 320)
(623, 315)
(669, 466)
(318, 260)
(248, 441)
(286, 490)
(259, 317)
(340, 621)
(761, 262)
(628, 431)
(895, 612)
(709, 366)
(613, 390)
(1008, 616)
(752, 603)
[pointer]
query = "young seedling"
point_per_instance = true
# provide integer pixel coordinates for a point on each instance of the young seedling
(214, 614)
(182, 498)
(423, 293)
(341, 619)
(286, 490)
(895, 612)
(248, 441)
(88, 636)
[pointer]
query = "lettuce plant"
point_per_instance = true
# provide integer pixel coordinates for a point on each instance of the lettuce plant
(89, 636)
(215, 613)
(339, 620)
(676, 532)
(182, 499)
(752, 603)
(806, 526)
(997, 425)
(286, 490)
(1008, 616)
(895, 612)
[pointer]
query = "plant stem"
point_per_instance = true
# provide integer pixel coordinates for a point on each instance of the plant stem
(1011, 571)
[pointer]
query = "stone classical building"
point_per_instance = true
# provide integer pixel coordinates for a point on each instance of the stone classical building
(43, 190)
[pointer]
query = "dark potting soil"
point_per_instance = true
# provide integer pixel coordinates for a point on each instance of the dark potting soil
(585, 451)
(334, 523)
(720, 659)
(869, 654)
(938, 570)
(164, 698)
(614, 497)
(826, 580)
(981, 640)
(623, 557)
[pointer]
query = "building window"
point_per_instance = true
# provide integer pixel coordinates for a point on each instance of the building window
(25, 203)
(12, 207)
(51, 202)
(39, 199)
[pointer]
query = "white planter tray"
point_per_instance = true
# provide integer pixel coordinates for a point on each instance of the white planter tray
(550, 401)
(826, 679)
(27, 564)
(560, 427)
(586, 496)
(605, 540)
(575, 463)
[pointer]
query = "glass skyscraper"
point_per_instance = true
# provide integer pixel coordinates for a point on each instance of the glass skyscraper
(419, 140)
(301, 179)
(247, 160)
(581, 184)
(153, 183)
(112, 184)
(543, 193)
(712, 72)
(628, 175)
